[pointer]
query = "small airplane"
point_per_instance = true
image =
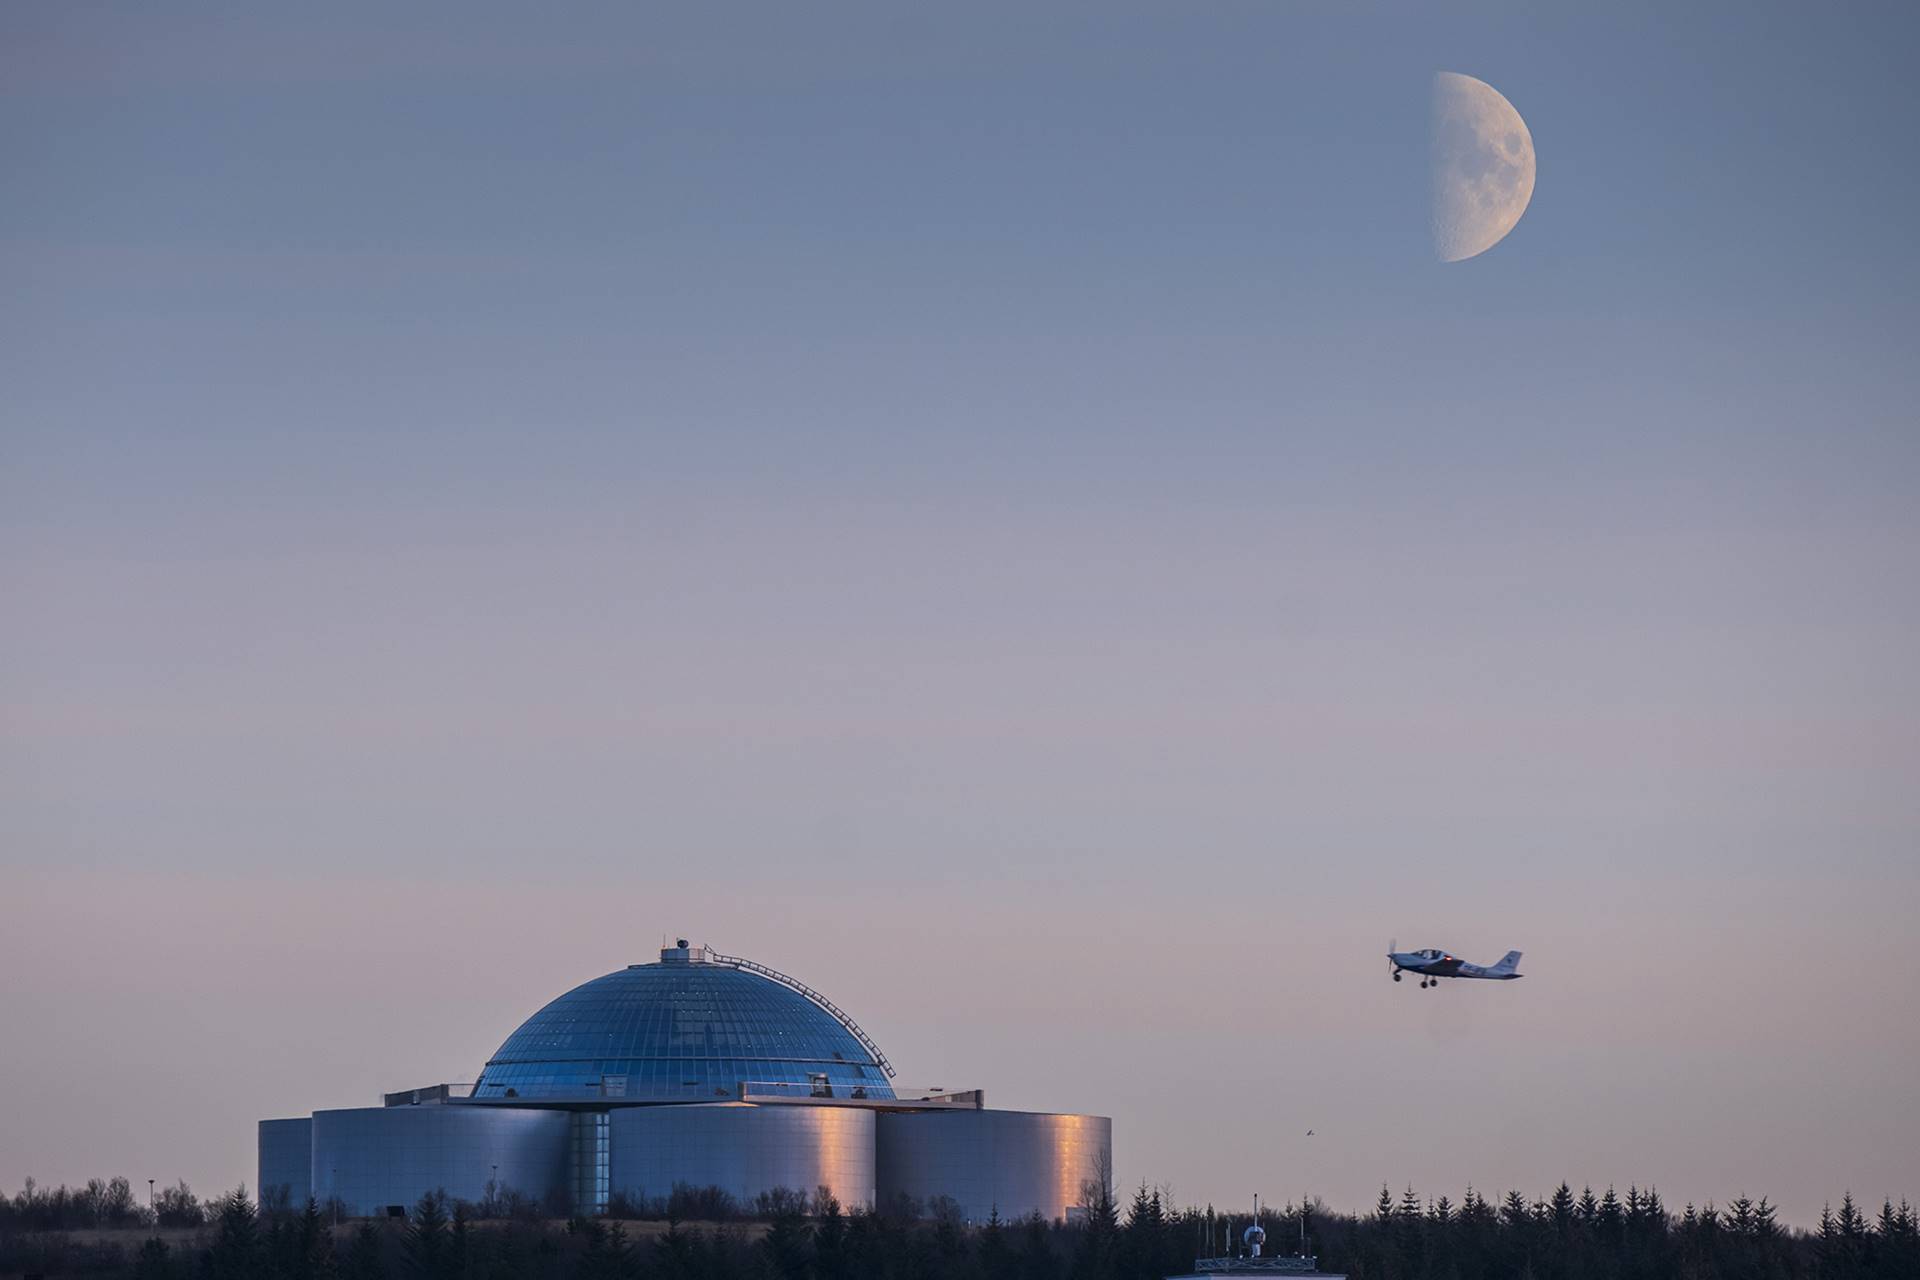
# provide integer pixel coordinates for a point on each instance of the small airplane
(1434, 965)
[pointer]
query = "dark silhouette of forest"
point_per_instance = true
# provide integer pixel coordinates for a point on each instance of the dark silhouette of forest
(102, 1230)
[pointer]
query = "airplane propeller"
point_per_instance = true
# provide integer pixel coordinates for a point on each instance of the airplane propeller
(1392, 947)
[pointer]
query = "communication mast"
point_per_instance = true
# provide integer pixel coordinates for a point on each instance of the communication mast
(1256, 1235)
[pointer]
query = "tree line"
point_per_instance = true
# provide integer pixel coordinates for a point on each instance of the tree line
(1569, 1236)
(101, 1230)
(108, 1203)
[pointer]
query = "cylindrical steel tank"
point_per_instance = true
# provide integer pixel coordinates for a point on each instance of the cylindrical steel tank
(286, 1162)
(744, 1149)
(374, 1157)
(1016, 1163)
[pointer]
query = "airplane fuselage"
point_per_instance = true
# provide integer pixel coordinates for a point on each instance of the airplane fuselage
(1433, 965)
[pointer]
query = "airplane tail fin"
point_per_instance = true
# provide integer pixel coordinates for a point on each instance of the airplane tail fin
(1508, 963)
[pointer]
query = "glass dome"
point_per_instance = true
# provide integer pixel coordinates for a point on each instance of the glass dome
(688, 1028)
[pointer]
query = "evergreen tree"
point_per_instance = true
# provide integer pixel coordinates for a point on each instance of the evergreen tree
(426, 1250)
(788, 1245)
(996, 1254)
(1687, 1236)
(1143, 1247)
(281, 1245)
(1169, 1252)
(673, 1249)
(1609, 1221)
(830, 1238)
(1562, 1209)
(1099, 1236)
(460, 1243)
(1181, 1240)
(366, 1259)
(1899, 1244)
(1827, 1243)
(236, 1253)
(1409, 1231)
(1645, 1250)
(1710, 1224)
(949, 1245)
(1589, 1209)
(607, 1255)
(1515, 1244)
(1853, 1226)
(1473, 1240)
(313, 1258)
(1036, 1250)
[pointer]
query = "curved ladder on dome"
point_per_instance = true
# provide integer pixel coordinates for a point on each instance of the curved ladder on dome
(794, 984)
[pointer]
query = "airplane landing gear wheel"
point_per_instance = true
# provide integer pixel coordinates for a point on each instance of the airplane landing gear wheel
(1396, 977)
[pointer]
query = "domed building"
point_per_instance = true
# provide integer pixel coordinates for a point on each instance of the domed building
(701, 1070)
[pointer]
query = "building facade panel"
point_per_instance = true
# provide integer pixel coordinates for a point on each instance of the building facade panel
(1014, 1162)
(373, 1157)
(286, 1161)
(744, 1150)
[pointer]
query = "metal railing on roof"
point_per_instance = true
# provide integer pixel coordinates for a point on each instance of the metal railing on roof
(1277, 1264)
(794, 984)
(883, 1097)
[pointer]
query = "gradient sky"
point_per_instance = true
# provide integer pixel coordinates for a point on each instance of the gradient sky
(995, 510)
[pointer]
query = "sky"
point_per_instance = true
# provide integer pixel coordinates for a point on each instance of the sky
(993, 509)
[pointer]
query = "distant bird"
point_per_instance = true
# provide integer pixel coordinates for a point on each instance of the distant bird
(1309, 1133)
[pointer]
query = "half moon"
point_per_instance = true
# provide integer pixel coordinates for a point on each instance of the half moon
(1482, 166)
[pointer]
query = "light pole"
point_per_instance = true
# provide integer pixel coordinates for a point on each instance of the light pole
(150, 1199)
(1307, 1169)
